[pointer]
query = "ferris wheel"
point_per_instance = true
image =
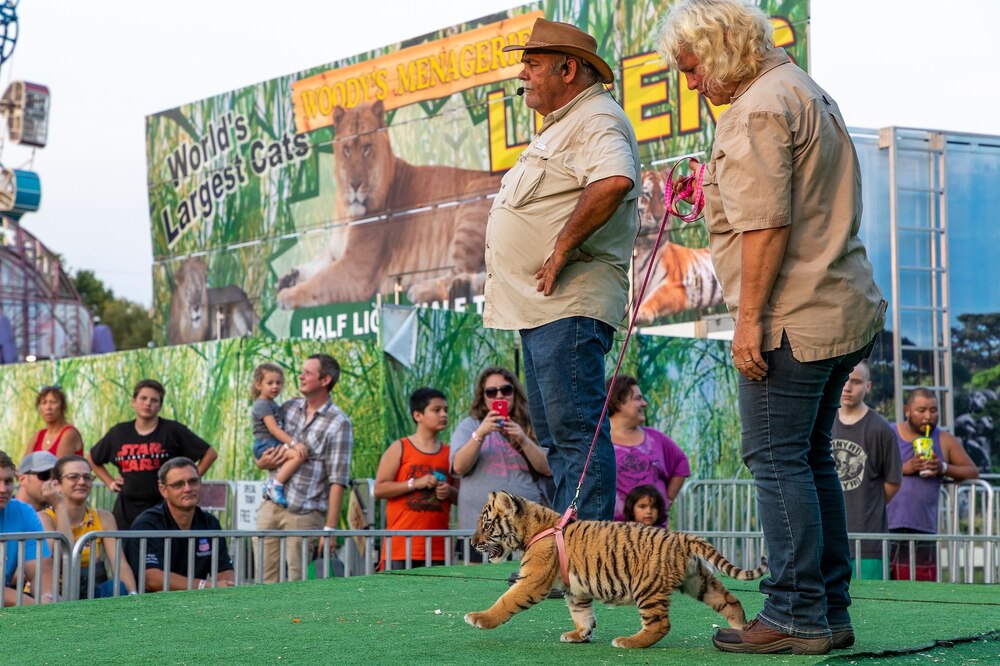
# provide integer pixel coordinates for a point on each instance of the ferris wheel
(8, 29)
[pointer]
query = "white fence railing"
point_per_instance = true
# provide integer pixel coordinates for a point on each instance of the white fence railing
(960, 557)
(967, 549)
(967, 508)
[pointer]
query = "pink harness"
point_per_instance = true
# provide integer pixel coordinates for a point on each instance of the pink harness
(691, 185)
(557, 531)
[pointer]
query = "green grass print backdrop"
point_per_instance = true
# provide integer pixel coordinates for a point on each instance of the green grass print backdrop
(208, 389)
(690, 386)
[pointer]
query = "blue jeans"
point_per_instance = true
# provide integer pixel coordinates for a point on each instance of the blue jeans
(261, 445)
(107, 589)
(787, 418)
(564, 373)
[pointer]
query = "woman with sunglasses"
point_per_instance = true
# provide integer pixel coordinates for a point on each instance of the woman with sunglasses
(492, 452)
(58, 437)
(74, 518)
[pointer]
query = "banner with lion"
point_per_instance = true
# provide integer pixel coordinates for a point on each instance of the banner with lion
(289, 207)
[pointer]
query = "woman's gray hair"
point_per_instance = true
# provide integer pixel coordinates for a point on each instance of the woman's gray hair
(729, 37)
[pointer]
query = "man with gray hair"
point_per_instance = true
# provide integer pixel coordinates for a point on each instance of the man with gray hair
(558, 246)
(180, 487)
(783, 209)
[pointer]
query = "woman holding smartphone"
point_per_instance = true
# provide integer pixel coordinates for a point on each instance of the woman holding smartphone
(495, 447)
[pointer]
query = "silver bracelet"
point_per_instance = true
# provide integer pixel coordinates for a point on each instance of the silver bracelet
(475, 436)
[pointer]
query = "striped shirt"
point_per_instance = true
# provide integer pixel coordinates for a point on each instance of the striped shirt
(329, 438)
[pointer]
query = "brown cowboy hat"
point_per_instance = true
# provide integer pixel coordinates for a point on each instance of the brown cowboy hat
(566, 38)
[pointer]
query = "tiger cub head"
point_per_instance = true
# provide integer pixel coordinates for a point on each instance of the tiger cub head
(500, 529)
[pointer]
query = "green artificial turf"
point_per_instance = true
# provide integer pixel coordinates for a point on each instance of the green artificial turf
(416, 618)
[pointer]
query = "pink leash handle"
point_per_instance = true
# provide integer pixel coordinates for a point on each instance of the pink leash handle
(691, 185)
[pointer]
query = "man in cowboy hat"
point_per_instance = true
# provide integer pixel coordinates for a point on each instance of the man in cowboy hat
(558, 245)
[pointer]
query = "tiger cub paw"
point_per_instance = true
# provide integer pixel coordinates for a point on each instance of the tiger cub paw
(576, 636)
(481, 620)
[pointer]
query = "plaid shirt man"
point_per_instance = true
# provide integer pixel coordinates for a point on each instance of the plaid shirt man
(330, 439)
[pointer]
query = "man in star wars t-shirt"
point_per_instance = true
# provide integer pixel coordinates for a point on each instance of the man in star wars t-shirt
(138, 448)
(868, 463)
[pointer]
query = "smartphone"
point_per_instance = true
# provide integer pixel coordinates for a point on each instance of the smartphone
(500, 407)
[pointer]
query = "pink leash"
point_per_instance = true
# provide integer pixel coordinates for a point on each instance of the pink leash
(692, 186)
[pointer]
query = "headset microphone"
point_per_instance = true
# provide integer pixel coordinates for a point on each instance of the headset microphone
(520, 91)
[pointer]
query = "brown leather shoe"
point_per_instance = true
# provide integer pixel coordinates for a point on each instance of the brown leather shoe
(842, 639)
(759, 638)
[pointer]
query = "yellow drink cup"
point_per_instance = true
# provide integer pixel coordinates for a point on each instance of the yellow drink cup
(923, 447)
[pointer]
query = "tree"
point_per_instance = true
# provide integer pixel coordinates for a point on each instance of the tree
(130, 322)
(976, 344)
(92, 291)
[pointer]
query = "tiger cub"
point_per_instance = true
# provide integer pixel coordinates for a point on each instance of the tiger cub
(617, 563)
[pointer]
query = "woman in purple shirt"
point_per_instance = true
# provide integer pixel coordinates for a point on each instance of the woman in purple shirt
(644, 455)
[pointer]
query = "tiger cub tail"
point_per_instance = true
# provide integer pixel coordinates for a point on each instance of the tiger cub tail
(695, 545)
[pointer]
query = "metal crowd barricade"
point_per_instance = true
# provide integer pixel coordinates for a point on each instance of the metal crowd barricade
(246, 549)
(744, 549)
(59, 548)
(717, 505)
(959, 557)
(969, 509)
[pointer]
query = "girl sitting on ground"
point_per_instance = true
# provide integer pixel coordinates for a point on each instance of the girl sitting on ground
(644, 504)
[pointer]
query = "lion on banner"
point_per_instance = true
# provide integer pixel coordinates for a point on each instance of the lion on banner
(399, 228)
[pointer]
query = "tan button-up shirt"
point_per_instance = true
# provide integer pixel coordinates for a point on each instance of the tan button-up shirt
(783, 156)
(585, 141)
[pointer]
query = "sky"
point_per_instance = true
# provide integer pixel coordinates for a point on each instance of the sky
(109, 64)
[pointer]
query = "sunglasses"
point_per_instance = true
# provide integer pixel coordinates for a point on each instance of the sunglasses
(506, 391)
(43, 476)
(177, 485)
